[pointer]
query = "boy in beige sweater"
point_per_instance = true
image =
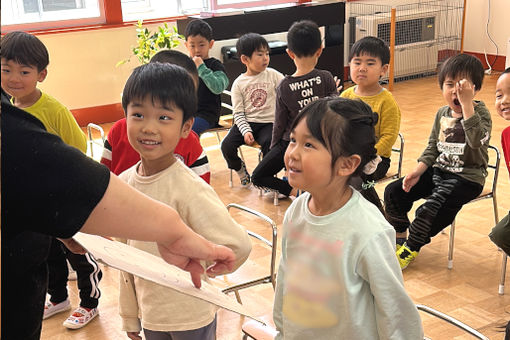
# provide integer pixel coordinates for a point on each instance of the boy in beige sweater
(158, 114)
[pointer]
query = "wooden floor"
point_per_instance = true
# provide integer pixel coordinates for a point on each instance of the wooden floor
(467, 292)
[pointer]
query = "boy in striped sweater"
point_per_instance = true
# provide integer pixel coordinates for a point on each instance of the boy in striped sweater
(254, 101)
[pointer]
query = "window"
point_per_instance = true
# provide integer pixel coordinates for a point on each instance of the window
(30, 15)
(49, 13)
(133, 10)
(220, 4)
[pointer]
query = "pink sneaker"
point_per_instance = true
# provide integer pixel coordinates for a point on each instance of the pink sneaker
(80, 317)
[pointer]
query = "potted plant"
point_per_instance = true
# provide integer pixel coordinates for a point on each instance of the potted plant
(149, 43)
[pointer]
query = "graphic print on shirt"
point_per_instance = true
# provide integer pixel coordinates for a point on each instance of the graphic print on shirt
(257, 94)
(451, 144)
(305, 88)
(311, 285)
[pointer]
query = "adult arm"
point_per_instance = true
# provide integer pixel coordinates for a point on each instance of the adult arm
(122, 211)
(66, 191)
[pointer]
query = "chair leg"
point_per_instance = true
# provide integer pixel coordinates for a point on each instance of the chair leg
(238, 297)
(275, 200)
(231, 182)
(218, 137)
(501, 289)
(450, 245)
(495, 206)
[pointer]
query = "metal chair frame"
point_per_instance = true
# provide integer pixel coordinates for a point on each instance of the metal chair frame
(484, 195)
(90, 140)
(400, 151)
(271, 278)
(255, 330)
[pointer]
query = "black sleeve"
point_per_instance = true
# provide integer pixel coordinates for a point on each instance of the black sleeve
(216, 65)
(47, 186)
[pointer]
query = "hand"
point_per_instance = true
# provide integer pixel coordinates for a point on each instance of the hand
(337, 83)
(185, 252)
(198, 61)
(134, 335)
(73, 245)
(410, 180)
(465, 92)
(248, 138)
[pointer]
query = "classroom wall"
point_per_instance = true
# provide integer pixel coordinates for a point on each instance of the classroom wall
(82, 70)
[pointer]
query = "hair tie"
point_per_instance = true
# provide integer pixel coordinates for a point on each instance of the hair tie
(367, 185)
(371, 166)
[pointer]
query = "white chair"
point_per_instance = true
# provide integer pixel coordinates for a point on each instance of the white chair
(234, 282)
(486, 193)
(91, 141)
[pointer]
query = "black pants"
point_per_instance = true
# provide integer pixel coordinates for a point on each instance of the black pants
(382, 169)
(262, 132)
(500, 234)
(263, 175)
(445, 194)
(87, 270)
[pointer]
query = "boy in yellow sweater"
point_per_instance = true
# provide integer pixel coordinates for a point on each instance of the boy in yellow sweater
(369, 61)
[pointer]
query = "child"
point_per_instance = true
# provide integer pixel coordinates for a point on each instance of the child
(451, 170)
(253, 99)
(294, 92)
(118, 155)
(368, 62)
(159, 101)
(338, 276)
(500, 234)
(213, 79)
(24, 62)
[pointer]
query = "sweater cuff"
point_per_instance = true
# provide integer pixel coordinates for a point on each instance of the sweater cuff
(131, 325)
(201, 69)
(471, 121)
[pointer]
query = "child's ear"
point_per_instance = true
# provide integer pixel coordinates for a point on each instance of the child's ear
(42, 75)
(186, 127)
(244, 59)
(291, 54)
(319, 52)
(345, 166)
(211, 43)
(384, 69)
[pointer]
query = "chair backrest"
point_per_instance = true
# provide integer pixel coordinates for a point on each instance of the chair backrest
(399, 149)
(91, 141)
(494, 165)
(271, 277)
(452, 321)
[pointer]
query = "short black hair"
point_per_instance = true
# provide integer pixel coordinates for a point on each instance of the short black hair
(304, 38)
(372, 46)
(462, 65)
(249, 43)
(506, 71)
(163, 83)
(25, 49)
(198, 27)
(177, 58)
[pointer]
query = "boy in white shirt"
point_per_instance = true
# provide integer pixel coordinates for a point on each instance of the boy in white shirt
(254, 101)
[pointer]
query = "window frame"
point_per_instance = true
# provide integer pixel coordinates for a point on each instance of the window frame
(111, 16)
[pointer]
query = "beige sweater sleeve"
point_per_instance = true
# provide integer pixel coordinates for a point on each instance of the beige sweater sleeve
(128, 305)
(208, 216)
